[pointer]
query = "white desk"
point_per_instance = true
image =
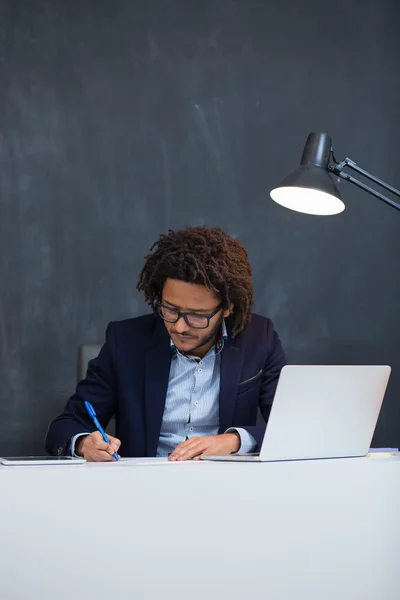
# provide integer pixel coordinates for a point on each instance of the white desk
(321, 530)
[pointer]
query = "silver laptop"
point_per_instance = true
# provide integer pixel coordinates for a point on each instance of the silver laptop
(321, 412)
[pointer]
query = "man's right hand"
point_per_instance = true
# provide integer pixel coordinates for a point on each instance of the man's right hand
(94, 449)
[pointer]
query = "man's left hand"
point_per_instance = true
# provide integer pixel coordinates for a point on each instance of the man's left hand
(218, 445)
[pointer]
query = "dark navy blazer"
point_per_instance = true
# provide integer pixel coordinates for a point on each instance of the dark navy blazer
(129, 379)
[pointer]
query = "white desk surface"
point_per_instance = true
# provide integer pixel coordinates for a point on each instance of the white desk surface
(312, 530)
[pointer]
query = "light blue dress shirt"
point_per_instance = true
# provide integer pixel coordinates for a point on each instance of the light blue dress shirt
(192, 402)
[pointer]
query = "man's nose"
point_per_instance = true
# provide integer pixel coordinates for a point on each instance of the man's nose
(181, 326)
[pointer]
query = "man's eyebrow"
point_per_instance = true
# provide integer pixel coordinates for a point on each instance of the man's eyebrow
(205, 310)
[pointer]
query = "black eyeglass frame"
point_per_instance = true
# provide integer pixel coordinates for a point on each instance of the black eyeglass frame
(185, 315)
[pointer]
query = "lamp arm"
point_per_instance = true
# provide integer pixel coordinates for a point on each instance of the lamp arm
(337, 169)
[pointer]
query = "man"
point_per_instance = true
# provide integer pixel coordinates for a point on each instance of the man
(187, 380)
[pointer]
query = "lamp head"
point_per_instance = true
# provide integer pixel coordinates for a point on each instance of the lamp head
(310, 189)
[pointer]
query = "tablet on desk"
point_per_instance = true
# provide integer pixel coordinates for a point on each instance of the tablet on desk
(40, 460)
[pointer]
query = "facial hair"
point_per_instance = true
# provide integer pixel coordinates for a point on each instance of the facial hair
(207, 339)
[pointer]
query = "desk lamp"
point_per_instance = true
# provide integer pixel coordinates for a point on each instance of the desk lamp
(310, 189)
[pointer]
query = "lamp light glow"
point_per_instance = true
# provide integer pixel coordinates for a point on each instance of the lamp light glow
(309, 201)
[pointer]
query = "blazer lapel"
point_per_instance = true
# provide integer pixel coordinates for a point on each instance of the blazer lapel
(158, 363)
(231, 367)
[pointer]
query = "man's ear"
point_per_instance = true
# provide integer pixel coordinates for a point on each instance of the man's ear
(228, 311)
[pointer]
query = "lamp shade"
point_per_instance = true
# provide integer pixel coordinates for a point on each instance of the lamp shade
(310, 189)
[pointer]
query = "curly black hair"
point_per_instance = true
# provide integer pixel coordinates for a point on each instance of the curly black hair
(203, 255)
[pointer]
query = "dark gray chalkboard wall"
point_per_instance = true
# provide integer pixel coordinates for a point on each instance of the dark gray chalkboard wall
(120, 119)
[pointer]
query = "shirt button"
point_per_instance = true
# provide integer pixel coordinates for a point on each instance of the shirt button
(191, 429)
(199, 370)
(196, 403)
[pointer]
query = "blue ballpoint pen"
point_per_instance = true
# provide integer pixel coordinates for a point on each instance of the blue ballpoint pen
(93, 416)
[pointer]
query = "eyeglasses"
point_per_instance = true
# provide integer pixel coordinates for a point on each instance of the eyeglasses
(194, 320)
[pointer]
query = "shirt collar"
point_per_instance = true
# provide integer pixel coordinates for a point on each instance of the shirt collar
(219, 346)
(221, 337)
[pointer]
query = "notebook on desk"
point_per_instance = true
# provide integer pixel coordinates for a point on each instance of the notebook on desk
(321, 412)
